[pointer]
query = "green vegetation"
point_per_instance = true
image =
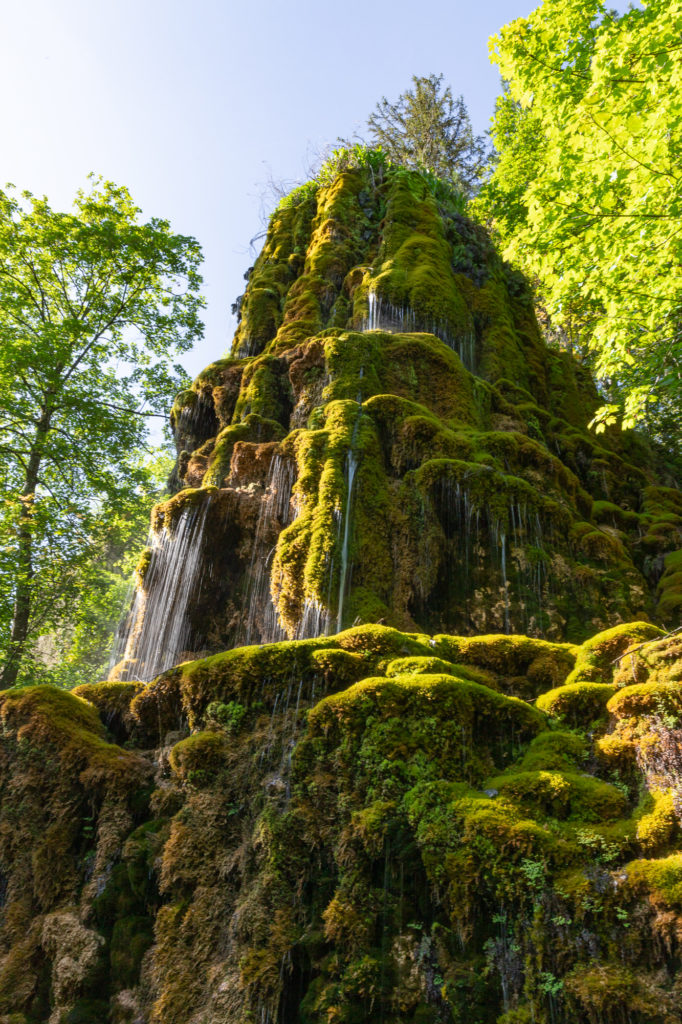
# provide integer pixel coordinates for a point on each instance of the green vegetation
(427, 129)
(585, 195)
(93, 304)
(380, 327)
(466, 806)
(394, 837)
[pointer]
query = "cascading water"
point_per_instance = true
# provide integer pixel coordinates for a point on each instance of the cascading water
(351, 468)
(248, 347)
(276, 511)
(384, 316)
(315, 620)
(505, 583)
(485, 545)
(160, 627)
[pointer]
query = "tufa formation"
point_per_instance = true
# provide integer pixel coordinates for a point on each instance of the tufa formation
(395, 733)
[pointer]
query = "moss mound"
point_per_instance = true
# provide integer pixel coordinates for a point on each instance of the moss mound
(383, 833)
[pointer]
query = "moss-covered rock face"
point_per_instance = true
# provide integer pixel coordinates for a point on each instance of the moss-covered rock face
(391, 440)
(378, 826)
(462, 808)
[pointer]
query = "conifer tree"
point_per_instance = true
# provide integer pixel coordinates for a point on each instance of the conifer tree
(429, 128)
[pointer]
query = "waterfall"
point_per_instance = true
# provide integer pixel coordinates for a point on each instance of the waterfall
(502, 547)
(159, 628)
(315, 620)
(247, 347)
(505, 584)
(351, 467)
(275, 509)
(384, 316)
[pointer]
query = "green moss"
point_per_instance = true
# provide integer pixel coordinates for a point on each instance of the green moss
(598, 545)
(158, 707)
(562, 794)
(166, 515)
(596, 657)
(46, 715)
(542, 664)
(131, 938)
(661, 878)
(555, 750)
(86, 1011)
(423, 832)
(657, 824)
(252, 428)
(655, 698)
(413, 269)
(184, 400)
(200, 757)
(338, 667)
(613, 515)
(265, 392)
(383, 640)
(229, 716)
(113, 700)
(419, 666)
(244, 675)
(457, 700)
(542, 494)
(430, 666)
(309, 558)
(579, 704)
(669, 591)
(605, 990)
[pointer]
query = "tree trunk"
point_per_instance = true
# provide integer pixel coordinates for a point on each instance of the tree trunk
(24, 585)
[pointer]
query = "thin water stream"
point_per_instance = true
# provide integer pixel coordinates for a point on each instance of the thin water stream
(159, 626)
(507, 543)
(384, 316)
(275, 510)
(351, 469)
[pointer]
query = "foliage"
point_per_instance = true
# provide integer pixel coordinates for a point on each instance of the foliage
(428, 129)
(350, 156)
(78, 648)
(93, 304)
(230, 715)
(586, 194)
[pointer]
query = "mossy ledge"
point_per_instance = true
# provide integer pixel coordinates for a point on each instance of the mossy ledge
(375, 826)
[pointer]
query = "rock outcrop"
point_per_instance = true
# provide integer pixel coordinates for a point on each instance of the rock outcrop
(396, 730)
(392, 441)
(379, 826)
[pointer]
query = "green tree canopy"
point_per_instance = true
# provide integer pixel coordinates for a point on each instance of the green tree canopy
(427, 128)
(587, 191)
(93, 306)
(83, 636)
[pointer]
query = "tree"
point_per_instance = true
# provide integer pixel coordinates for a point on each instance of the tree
(427, 128)
(79, 646)
(93, 306)
(593, 112)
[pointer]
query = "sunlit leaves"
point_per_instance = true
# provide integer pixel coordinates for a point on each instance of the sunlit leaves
(595, 218)
(93, 306)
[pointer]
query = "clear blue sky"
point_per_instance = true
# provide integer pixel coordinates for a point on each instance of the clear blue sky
(194, 105)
